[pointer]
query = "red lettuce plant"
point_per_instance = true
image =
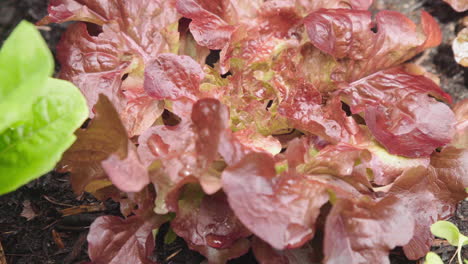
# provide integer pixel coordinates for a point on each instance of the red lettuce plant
(309, 132)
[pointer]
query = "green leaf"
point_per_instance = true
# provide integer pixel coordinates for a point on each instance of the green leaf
(31, 148)
(446, 230)
(433, 258)
(25, 65)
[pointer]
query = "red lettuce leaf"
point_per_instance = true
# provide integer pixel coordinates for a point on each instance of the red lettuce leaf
(131, 203)
(125, 20)
(192, 151)
(188, 45)
(254, 141)
(101, 71)
(347, 36)
(214, 22)
(275, 21)
(288, 204)
(137, 203)
(215, 256)
(170, 76)
(209, 225)
(387, 167)
(333, 4)
(265, 254)
(385, 86)
(437, 189)
(129, 174)
(104, 149)
(114, 240)
(171, 153)
(141, 110)
(67, 10)
(210, 120)
(207, 26)
(461, 129)
(133, 33)
(363, 231)
(346, 161)
(358, 164)
(305, 110)
(399, 112)
(414, 128)
(186, 152)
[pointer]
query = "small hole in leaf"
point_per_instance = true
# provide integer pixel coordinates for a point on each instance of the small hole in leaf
(212, 58)
(184, 25)
(359, 119)
(374, 28)
(93, 29)
(170, 119)
(270, 103)
(226, 74)
(346, 109)
(125, 76)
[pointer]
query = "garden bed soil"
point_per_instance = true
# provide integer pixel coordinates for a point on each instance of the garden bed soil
(44, 222)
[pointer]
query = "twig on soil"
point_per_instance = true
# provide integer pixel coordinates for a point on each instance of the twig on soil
(83, 209)
(49, 225)
(55, 202)
(173, 255)
(57, 239)
(72, 228)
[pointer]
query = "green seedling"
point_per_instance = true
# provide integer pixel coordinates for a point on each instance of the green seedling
(433, 258)
(38, 113)
(450, 232)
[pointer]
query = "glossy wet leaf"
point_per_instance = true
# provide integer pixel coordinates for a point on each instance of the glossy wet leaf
(121, 37)
(207, 222)
(350, 220)
(115, 240)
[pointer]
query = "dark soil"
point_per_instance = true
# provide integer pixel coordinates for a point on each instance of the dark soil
(33, 241)
(49, 237)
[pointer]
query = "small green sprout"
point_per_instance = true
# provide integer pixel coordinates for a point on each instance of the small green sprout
(450, 232)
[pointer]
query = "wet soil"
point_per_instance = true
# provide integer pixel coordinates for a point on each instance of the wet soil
(51, 236)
